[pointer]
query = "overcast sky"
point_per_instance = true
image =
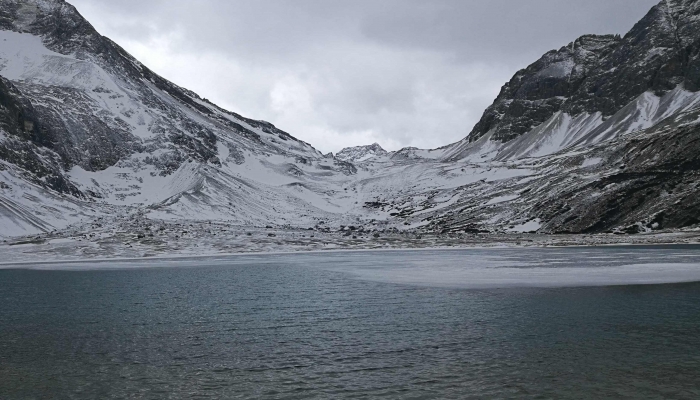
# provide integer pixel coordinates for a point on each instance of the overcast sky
(344, 73)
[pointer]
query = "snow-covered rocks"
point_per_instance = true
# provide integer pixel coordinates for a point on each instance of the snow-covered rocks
(361, 153)
(88, 132)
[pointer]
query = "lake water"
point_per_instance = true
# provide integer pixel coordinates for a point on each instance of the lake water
(518, 323)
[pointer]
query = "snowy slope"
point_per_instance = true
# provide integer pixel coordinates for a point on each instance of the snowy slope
(128, 138)
(87, 131)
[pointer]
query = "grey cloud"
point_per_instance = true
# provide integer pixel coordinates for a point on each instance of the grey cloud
(500, 29)
(339, 73)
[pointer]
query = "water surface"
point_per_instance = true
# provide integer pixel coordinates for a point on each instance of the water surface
(517, 323)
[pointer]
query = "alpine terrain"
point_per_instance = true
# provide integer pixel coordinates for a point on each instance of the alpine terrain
(599, 136)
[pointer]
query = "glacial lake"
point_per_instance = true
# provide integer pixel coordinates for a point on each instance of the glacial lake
(619, 322)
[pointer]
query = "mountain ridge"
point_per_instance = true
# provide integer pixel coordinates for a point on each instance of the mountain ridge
(596, 76)
(87, 132)
(361, 153)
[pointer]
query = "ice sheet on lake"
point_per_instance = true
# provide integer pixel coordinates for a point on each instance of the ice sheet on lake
(500, 277)
(473, 268)
(499, 268)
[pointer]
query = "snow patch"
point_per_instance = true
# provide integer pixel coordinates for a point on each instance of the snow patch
(589, 162)
(529, 226)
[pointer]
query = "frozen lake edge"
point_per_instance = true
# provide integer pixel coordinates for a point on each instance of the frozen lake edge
(470, 268)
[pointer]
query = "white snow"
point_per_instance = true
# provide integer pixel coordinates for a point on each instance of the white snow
(223, 151)
(529, 226)
(557, 133)
(589, 162)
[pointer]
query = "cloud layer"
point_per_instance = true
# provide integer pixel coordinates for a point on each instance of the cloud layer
(343, 73)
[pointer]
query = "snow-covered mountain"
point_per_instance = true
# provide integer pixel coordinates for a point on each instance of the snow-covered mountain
(599, 135)
(361, 153)
(595, 89)
(86, 126)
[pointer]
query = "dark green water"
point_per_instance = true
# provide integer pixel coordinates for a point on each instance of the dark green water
(307, 326)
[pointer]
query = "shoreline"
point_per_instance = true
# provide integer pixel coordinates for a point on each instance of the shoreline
(496, 245)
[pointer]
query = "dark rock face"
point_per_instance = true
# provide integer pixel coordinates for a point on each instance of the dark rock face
(540, 90)
(601, 73)
(656, 186)
(30, 142)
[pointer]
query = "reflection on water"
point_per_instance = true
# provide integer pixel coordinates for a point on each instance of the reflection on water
(347, 325)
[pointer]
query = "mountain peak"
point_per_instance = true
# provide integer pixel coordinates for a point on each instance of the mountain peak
(361, 153)
(600, 73)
